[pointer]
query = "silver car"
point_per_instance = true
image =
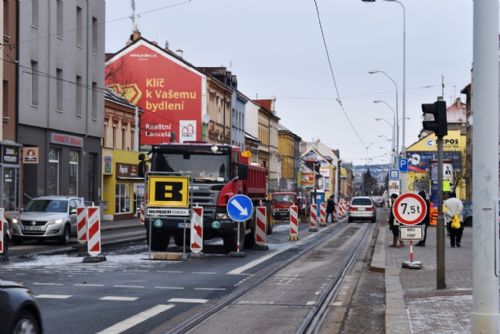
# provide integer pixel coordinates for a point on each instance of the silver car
(362, 208)
(47, 217)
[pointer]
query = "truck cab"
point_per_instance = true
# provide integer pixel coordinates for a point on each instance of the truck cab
(281, 203)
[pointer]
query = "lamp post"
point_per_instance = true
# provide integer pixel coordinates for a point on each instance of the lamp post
(392, 125)
(396, 124)
(404, 179)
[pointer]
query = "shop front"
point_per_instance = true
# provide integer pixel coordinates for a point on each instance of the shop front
(9, 173)
(123, 188)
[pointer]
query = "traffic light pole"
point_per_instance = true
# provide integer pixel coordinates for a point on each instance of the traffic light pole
(440, 235)
(485, 281)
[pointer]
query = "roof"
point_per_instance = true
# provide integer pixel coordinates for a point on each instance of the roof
(111, 95)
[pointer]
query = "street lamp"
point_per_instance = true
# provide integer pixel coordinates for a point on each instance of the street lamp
(393, 126)
(403, 148)
(396, 123)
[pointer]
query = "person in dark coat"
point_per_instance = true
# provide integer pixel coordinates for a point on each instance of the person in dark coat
(394, 225)
(330, 209)
(426, 220)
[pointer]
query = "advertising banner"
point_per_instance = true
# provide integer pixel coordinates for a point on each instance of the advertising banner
(167, 90)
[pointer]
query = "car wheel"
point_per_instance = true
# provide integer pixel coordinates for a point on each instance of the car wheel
(65, 236)
(26, 323)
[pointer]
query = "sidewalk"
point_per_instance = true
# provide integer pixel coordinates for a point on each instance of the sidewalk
(413, 305)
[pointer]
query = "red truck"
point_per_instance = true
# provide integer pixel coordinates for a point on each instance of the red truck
(281, 203)
(217, 173)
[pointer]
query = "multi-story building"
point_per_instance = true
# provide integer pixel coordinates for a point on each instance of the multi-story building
(9, 148)
(123, 189)
(61, 99)
(289, 148)
(219, 111)
(252, 139)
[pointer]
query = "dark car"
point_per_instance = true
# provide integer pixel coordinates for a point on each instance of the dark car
(19, 312)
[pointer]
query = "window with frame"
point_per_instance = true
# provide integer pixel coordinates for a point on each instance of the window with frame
(122, 198)
(34, 83)
(79, 26)
(79, 93)
(10, 186)
(59, 89)
(73, 173)
(34, 13)
(59, 18)
(94, 35)
(53, 172)
(94, 100)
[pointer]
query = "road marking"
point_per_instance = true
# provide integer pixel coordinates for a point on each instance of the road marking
(119, 299)
(89, 285)
(136, 319)
(53, 296)
(50, 284)
(129, 286)
(187, 300)
(310, 303)
(170, 271)
(170, 287)
(211, 289)
(256, 262)
(136, 270)
(204, 272)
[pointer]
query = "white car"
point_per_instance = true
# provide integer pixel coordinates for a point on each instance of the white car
(47, 217)
(362, 208)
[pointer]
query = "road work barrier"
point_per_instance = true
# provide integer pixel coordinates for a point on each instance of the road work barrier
(197, 230)
(81, 225)
(313, 222)
(142, 216)
(322, 214)
(261, 226)
(2, 232)
(294, 223)
(94, 231)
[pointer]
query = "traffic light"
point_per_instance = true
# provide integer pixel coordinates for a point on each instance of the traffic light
(439, 124)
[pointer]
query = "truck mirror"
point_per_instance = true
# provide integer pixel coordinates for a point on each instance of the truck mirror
(242, 172)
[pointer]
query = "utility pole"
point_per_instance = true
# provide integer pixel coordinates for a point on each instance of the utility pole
(485, 282)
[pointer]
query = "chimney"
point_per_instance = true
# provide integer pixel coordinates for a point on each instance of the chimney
(134, 36)
(166, 45)
(180, 53)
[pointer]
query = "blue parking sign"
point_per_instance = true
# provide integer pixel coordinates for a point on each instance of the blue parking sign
(403, 165)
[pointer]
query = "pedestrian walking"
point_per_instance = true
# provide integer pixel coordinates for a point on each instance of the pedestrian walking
(394, 224)
(330, 208)
(454, 219)
(426, 220)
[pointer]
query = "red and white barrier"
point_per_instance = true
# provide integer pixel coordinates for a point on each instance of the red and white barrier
(94, 230)
(294, 223)
(2, 232)
(197, 230)
(313, 224)
(322, 214)
(260, 225)
(142, 216)
(81, 225)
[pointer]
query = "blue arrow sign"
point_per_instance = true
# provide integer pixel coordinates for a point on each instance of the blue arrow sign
(403, 165)
(240, 208)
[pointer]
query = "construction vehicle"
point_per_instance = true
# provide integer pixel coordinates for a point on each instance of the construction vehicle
(281, 203)
(216, 172)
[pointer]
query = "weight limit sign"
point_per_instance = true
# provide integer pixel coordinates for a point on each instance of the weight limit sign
(409, 209)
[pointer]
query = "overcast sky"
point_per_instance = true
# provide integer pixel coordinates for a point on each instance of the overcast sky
(276, 50)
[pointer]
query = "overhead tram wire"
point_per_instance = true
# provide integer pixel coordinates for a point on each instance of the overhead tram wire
(339, 101)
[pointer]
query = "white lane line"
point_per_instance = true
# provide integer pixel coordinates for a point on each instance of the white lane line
(50, 284)
(119, 298)
(136, 319)
(310, 303)
(136, 270)
(170, 271)
(89, 285)
(53, 296)
(210, 289)
(187, 300)
(129, 286)
(239, 270)
(170, 287)
(204, 273)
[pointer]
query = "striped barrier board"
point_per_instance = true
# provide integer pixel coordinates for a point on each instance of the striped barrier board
(81, 225)
(94, 230)
(2, 232)
(322, 214)
(313, 223)
(261, 225)
(294, 223)
(197, 230)
(142, 216)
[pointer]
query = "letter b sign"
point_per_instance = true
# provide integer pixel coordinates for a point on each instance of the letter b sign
(168, 191)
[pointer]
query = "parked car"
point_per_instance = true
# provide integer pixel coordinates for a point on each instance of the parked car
(467, 213)
(378, 201)
(19, 313)
(47, 217)
(362, 208)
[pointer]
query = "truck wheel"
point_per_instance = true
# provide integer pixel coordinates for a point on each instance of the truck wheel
(178, 239)
(160, 241)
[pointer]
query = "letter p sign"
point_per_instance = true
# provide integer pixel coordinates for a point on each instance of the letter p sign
(403, 165)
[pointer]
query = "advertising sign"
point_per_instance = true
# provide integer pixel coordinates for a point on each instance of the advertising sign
(167, 90)
(30, 155)
(168, 192)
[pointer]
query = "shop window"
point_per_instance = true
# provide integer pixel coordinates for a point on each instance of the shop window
(73, 173)
(53, 172)
(122, 198)
(10, 186)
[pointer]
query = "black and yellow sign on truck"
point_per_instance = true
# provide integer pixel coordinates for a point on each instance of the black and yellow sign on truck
(168, 191)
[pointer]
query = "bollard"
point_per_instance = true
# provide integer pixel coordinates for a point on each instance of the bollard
(313, 223)
(94, 236)
(294, 223)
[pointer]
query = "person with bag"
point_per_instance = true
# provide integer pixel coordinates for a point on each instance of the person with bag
(394, 224)
(454, 219)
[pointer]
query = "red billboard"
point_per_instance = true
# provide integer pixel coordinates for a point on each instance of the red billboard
(168, 91)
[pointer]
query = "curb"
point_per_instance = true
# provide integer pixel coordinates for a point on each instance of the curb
(378, 259)
(396, 315)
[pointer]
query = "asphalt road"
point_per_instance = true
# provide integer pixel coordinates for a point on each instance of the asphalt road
(132, 293)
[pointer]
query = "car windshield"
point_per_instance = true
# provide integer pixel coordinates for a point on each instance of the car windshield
(47, 205)
(201, 166)
(283, 198)
(361, 201)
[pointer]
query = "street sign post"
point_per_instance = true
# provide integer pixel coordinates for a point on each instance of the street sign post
(410, 209)
(240, 208)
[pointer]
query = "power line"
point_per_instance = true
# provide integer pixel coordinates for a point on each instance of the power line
(339, 101)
